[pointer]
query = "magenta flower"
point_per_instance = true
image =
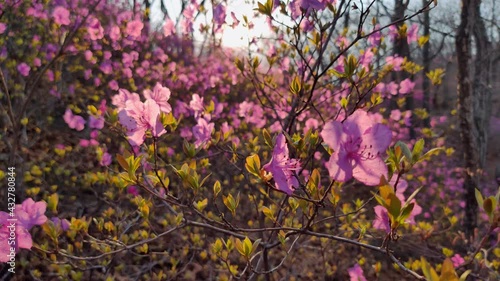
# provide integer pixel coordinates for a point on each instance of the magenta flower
(160, 95)
(412, 33)
(202, 132)
(95, 29)
(381, 220)
(356, 273)
(282, 167)
(74, 121)
(140, 117)
(3, 27)
(96, 123)
(24, 69)
(134, 28)
(122, 97)
(26, 215)
(457, 260)
(219, 15)
(357, 145)
(31, 213)
(406, 86)
(61, 15)
(168, 28)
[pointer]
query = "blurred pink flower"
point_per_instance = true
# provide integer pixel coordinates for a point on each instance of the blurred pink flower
(457, 260)
(95, 29)
(412, 33)
(356, 273)
(24, 69)
(357, 145)
(282, 167)
(3, 27)
(105, 159)
(406, 86)
(74, 121)
(96, 123)
(134, 28)
(381, 220)
(395, 61)
(168, 27)
(202, 132)
(61, 15)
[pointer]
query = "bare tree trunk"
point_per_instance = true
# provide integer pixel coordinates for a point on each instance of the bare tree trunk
(466, 113)
(481, 83)
(426, 61)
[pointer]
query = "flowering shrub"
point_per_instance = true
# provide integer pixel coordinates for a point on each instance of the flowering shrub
(168, 184)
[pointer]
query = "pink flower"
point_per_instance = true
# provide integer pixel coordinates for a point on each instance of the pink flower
(356, 273)
(25, 216)
(357, 145)
(412, 33)
(31, 213)
(219, 15)
(105, 159)
(406, 86)
(282, 167)
(133, 190)
(122, 97)
(3, 27)
(74, 121)
(160, 95)
(140, 117)
(114, 33)
(202, 132)
(24, 69)
(196, 104)
(134, 28)
(61, 15)
(395, 61)
(95, 29)
(168, 28)
(97, 123)
(381, 220)
(457, 260)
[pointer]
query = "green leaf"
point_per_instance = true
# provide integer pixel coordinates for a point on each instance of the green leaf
(217, 188)
(267, 138)
(122, 162)
(394, 205)
(268, 212)
(253, 164)
(412, 196)
(404, 148)
(428, 271)
(406, 212)
(464, 275)
(417, 150)
(479, 197)
(488, 205)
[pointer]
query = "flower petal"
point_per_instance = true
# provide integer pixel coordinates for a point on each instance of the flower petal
(339, 166)
(369, 171)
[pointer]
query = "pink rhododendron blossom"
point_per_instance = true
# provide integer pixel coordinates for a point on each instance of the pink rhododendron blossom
(31, 213)
(61, 15)
(122, 97)
(139, 117)
(96, 123)
(95, 29)
(282, 167)
(160, 95)
(133, 190)
(457, 260)
(381, 220)
(219, 15)
(114, 33)
(3, 27)
(134, 28)
(357, 145)
(196, 103)
(356, 273)
(202, 132)
(168, 27)
(63, 224)
(395, 61)
(24, 69)
(375, 38)
(26, 215)
(412, 33)
(105, 159)
(406, 86)
(74, 121)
